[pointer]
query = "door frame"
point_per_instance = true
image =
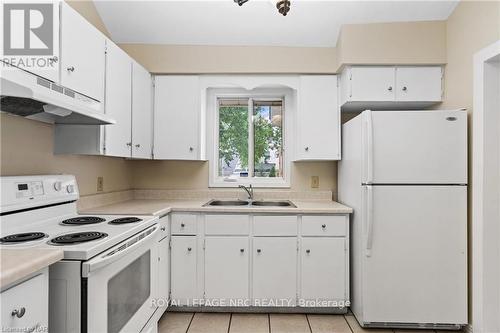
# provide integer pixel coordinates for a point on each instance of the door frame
(482, 262)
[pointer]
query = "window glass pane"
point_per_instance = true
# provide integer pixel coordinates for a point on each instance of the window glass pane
(233, 138)
(268, 138)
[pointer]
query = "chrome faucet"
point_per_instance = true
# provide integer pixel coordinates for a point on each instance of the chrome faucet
(249, 190)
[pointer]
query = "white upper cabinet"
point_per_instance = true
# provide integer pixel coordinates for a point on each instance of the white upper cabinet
(177, 110)
(390, 87)
(142, 112)
(318, 118)
(118, 101)
(82, 54)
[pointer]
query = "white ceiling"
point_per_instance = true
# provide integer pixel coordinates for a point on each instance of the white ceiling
(222, 22)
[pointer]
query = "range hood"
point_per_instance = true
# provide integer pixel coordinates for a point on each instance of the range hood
(33, 97)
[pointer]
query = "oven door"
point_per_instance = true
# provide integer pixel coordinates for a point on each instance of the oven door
(121, 284)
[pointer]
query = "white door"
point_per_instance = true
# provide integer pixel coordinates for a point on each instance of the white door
(418, 84)
(82, 54)
(184, 269)
(118, 102)
(407, 147)
(415, 254)
(142, 112)
(163, 269)
(177, 111)
(226, 269)
(274, 270)
(323, 268)
(372, 84)
(318, 121)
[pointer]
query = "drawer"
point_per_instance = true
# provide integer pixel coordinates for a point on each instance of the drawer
(333, 225)
(31, 300)
(227, 224)
(163, 224)
(285, 225)
(184, 224)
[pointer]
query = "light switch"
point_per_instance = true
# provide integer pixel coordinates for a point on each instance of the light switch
(100, 184)
(315, 182)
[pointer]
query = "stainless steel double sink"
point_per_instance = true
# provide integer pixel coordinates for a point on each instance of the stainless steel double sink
(245, 203)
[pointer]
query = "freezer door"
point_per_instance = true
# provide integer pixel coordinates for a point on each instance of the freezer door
(415, 254)
(415, 147)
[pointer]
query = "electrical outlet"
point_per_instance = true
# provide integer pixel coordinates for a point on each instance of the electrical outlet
(100, 184)
(315, 182)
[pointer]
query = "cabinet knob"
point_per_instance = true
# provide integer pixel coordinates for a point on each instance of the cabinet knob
(182, 225)
(259, 250)
(308, 251)
(306, 148)
(390, 88)
(129, 144)
(189, 249)
(19, 312)
(54, 59)
(405, 89)
(163, 228)
(137, 145)
(242, 250)
(323, 226)
(191, 148)
(71, 69)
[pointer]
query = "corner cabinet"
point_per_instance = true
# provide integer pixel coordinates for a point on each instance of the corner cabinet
(318, 118)
(390, 87)
(177, 112)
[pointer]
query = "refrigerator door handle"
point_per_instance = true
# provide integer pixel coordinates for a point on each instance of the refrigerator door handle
(369, 220)
(368, 130)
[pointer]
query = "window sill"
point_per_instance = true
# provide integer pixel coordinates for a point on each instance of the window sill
(256, 183)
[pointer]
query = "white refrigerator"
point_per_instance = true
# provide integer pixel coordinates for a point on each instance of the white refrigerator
(405, 175)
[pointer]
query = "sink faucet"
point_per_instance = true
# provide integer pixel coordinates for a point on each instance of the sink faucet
(249, 190)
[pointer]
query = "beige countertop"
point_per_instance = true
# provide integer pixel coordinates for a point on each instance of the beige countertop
(16, 264)
(161, 207)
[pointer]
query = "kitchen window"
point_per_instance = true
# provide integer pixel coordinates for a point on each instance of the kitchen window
(249, 141)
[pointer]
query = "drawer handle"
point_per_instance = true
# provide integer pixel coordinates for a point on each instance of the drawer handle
(308, 251)
(163, 228)
(19, 312)
(323, 226)
(259, 250)
(405, 88)
(390, 88)
(182, 225)
(189, 249)
(242, 250)
(71, 69)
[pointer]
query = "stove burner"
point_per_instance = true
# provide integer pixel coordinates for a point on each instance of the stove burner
(124, 220)
(78, 237)
(81, 220)
(24, 237)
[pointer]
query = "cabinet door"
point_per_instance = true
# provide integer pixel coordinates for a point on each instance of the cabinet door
(418, 84)
(184, 269)
(118, 101)
(142, 112)
(318, 122)
(164, 269)
(177, 111)
(372, 84)
(274, 270)
(226, 269)
(323, 270)
(82, 54)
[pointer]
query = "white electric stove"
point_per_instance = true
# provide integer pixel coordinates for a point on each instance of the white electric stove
(108, 278)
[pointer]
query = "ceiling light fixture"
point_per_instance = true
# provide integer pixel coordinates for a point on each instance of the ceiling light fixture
(283, 6)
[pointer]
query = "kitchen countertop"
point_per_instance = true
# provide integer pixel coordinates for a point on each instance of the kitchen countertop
(16, 264)
(162, 207)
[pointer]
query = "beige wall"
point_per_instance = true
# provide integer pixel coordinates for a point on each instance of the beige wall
(27, 149)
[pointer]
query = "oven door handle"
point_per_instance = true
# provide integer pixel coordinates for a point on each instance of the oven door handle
(120, 250)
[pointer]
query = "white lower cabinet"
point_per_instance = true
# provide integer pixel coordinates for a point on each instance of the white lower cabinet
(226, 270)
(184, 270)
(323, 272)
(274, 271)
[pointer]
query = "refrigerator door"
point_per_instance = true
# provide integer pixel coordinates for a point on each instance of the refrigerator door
(414, 147)
(415, 255)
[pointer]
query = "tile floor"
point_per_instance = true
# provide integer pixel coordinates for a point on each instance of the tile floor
(179, 322)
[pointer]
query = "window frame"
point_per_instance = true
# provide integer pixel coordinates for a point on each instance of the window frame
(213, 96)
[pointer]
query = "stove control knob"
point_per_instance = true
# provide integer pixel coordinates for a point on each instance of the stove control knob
(57, 186)
(70, 188)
